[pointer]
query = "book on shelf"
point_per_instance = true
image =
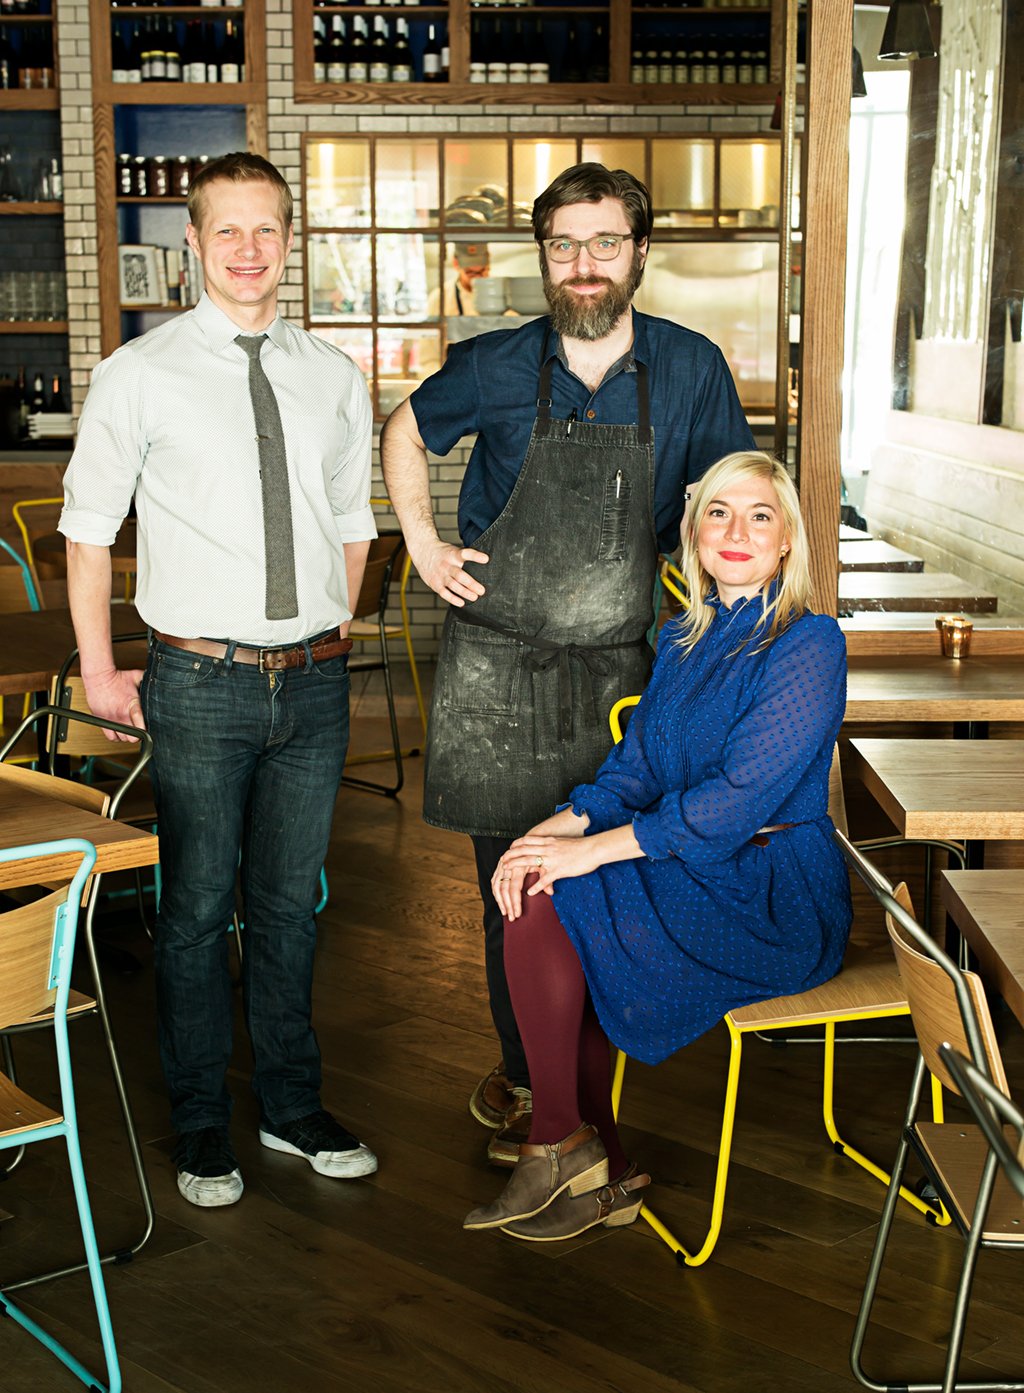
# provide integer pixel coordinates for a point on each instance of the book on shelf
(151, 275)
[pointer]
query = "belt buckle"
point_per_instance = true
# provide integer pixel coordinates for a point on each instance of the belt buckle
(260, 652)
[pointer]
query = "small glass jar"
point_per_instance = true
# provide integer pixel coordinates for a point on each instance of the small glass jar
(181, 176)
(125, 185)
(140, 176)
(159, 177)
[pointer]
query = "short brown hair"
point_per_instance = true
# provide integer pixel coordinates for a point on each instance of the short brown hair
(589, 183)
(238, 168)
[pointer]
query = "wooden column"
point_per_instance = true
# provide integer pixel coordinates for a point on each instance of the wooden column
(830, 54)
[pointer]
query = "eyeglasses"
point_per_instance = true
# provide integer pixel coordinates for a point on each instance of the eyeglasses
(604, 247)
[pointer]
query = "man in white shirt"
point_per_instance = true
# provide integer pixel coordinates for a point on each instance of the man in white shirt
(246, 444)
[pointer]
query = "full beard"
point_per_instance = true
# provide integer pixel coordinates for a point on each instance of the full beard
(590, 316)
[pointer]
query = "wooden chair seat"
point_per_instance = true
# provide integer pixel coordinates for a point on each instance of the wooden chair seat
(19, 1112)
(869, 980)
(78, 1005)
(958, 1155)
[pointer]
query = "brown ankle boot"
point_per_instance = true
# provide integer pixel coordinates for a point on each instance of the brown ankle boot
(579, 1163)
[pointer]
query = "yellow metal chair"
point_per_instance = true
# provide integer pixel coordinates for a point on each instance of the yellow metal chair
(673, 581)
(951, 1017)
(38, 517)
(405, 629)
(867, 988)
(386, 552)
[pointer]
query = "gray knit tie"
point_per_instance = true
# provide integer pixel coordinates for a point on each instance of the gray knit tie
(279, 546)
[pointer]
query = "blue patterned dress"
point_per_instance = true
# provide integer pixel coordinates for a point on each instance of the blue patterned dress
(722, 744)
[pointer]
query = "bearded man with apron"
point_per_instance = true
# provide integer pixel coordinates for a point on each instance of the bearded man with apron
(589, 427)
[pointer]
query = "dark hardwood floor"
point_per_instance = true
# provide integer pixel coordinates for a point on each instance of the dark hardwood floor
(311, 1285)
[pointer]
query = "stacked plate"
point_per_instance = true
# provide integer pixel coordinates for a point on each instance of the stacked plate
(51, 425)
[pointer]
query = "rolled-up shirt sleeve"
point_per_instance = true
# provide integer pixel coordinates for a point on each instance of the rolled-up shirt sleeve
(350, 477)
(109, 454)
(798, 709)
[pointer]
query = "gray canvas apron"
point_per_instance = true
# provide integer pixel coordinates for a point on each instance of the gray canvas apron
(528, 673)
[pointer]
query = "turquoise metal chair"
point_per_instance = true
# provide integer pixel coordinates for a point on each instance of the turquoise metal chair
(27, 579)
(37, 944)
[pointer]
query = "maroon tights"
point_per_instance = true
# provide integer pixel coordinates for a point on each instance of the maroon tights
(567, 1051)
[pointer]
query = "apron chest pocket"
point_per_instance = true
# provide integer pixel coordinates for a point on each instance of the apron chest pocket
(481, 673)
(614, 517)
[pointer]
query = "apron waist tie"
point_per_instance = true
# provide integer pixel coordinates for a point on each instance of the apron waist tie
(546, 655)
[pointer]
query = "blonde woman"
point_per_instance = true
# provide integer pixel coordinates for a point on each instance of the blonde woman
(697, 873)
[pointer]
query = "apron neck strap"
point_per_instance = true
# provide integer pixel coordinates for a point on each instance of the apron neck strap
(544, 394)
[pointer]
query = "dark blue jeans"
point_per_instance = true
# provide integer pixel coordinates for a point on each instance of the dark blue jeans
(245, 765)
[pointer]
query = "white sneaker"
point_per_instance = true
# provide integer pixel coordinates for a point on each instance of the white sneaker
(208, 1174)
(328, 1147)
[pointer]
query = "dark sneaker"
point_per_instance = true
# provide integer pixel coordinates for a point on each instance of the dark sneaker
(208, 1173)
(492, 1099)
(503, 1147)
(324, 1143)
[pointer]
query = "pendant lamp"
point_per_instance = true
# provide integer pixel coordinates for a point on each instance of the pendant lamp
(908, 32)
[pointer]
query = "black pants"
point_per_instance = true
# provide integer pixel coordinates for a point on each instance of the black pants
(489, 851)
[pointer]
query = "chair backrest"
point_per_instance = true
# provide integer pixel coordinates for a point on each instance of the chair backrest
(937, 1009)
(836, 798)
(75, 738)
(38, 517)
(37, 940)
(993, 1111)
(385, 551)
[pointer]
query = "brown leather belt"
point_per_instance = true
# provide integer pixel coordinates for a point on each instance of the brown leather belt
(760, 837)
(330, 645)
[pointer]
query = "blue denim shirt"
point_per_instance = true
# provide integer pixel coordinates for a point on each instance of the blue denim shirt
(488, 386)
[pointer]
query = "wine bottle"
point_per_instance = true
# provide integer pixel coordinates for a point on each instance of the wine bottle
(358, 52)
(666, 61)
(761, 66)
(497, 56)
(729, 70)
(651, 59)
(146, 51)
(172, 52)
(135, 54)
(681, 64)
(336, 65)
(401, 53)
(118, 55)
(320, 44)
(380, 51)
(231, 57)
(432, 56)
(745, 68)
(572, 70)
(58, 401)
(697, 69)
(193, 67)
(8, 64)
(24, 405)
(518, 62)
(445, 55)
(597, 59)
(540, 69)
(477, 53)
(712, 67)
(37, 401)
(157, 56)
(210, 52)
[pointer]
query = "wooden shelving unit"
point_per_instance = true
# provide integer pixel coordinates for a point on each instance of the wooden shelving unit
(108, 96)
(459, 90)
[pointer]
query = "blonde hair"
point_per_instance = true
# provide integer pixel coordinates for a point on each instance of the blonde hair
(793, 593)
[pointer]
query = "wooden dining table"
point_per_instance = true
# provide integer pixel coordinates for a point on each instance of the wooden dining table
(929, 687)
(935, 591)
(33, 646)
(962, 789)
(988, 909)
(872, 555)
(27, 817)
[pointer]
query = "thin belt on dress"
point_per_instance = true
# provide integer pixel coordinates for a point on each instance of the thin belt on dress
(329, 645)
(760, 837)
(589, 657)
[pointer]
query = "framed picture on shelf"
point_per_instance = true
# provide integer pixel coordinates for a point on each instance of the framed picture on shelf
(139, 269)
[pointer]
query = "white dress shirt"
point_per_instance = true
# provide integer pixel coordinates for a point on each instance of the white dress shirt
(169, 419)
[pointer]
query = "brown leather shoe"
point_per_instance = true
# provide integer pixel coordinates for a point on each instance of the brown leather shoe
(613, 1205)
(578, 1163)
(503, 1147)
(493, 1098)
